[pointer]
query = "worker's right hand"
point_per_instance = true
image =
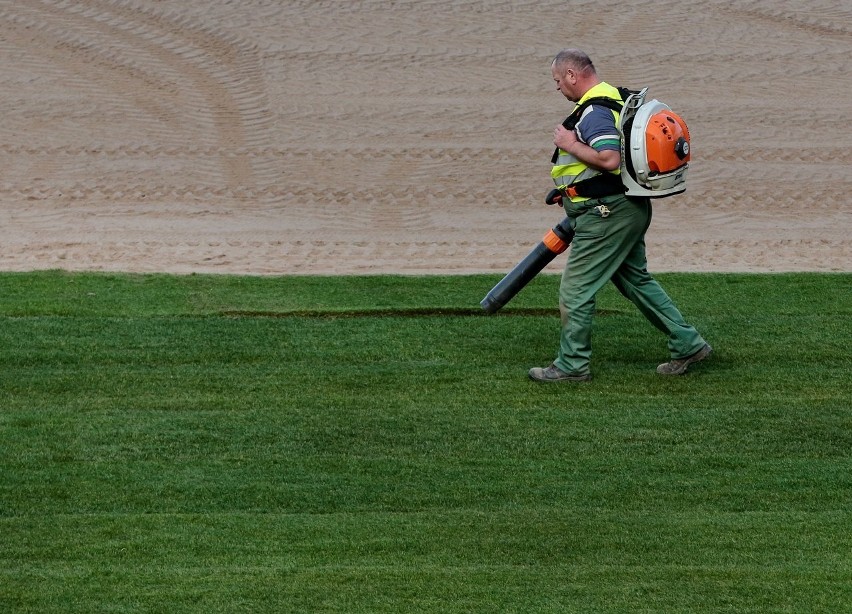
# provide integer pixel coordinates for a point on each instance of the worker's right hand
(554, 197)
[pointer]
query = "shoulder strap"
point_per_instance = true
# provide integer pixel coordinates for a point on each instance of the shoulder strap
(610, 103)
(571, 121)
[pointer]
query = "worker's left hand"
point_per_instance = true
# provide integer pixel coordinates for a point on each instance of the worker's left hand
(564, 138)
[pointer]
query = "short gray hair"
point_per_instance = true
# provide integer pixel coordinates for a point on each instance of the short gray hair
(574, 58)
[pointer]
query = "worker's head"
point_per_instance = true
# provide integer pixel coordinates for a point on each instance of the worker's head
(573, 73)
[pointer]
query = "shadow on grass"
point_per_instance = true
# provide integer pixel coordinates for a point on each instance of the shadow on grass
(416, 312)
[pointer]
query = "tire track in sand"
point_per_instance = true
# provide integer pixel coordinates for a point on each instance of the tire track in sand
(167, 67)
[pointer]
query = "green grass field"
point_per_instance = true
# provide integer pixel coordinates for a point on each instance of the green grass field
(372, 444)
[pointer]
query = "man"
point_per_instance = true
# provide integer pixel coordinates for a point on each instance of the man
(609, 240)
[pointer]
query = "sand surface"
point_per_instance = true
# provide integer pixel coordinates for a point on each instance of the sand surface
(409, 136)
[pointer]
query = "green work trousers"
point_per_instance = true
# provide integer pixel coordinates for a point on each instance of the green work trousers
(612, 247)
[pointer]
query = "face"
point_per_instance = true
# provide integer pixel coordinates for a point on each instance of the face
(566, 81)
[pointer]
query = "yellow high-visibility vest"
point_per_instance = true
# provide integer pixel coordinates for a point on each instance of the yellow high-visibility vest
(568, 170)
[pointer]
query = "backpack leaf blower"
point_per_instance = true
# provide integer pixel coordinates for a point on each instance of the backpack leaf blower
(554, 243)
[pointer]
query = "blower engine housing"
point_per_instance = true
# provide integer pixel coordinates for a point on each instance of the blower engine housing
(655, 148)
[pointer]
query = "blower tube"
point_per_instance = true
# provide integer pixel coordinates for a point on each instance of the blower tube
(554, 243)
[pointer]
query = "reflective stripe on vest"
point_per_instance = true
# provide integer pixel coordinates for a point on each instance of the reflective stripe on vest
(572, 173)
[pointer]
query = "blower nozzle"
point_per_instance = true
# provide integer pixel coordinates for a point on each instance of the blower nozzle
(554, 243)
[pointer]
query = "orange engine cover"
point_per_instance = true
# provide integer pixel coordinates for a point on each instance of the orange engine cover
(666, 142)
